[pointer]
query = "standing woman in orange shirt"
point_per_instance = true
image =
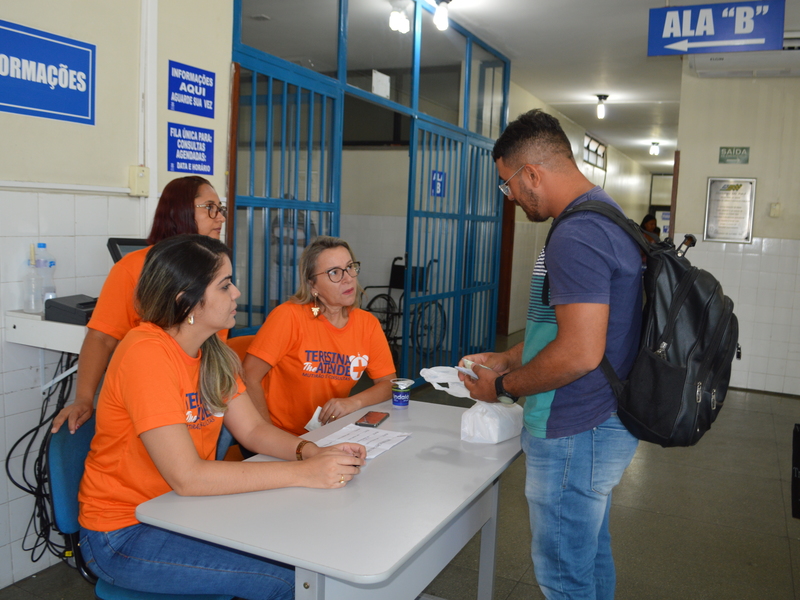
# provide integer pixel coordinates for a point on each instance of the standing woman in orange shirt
(187, 205)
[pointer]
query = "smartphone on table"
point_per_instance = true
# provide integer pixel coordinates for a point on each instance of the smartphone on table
(372, 419)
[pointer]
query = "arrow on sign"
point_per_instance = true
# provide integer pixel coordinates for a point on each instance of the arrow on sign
(684, 45)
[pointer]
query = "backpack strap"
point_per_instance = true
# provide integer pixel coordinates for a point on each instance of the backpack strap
(605, 209)
(627, 225)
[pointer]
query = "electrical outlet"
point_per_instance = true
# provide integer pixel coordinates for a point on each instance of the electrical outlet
(139, 180)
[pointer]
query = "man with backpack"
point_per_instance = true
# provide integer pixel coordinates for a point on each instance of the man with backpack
(585, 302)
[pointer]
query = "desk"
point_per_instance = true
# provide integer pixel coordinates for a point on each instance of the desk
(387, 533)
(33, 330)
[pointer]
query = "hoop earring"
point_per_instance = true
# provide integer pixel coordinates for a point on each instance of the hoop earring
(315, 308)
(191, 319)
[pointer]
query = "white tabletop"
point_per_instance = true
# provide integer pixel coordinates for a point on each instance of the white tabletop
(366, 531)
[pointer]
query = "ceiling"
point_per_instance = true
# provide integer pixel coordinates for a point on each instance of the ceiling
(565, 52)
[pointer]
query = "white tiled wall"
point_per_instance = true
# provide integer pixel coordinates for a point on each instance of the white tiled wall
(763, 280)
(76, 228)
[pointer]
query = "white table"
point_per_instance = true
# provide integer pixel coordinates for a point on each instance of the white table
(387, 534)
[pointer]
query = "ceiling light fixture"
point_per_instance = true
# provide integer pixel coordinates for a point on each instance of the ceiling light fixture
(601, 107)
(398, 21)
(654, 149)
(440, 17)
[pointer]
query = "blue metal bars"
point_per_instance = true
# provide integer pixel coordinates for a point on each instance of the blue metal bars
(453, 237)
(285, 186)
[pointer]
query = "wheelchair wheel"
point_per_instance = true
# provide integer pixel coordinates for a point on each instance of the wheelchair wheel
(430, 326)
(385, 309)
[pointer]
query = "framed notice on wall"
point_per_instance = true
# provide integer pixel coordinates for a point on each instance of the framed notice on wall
(729, 210)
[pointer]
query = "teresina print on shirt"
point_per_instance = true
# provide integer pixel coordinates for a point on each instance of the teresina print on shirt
(196, 414)
(334, 365)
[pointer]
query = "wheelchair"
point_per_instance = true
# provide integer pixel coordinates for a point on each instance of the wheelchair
(428, 319)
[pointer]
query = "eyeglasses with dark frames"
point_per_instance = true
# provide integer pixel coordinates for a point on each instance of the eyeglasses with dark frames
(336, 274)
(504, 186)
(214, 210)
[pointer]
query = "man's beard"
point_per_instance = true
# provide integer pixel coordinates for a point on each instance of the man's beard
(531, 208)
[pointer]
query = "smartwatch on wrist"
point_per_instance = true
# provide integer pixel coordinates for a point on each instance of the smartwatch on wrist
(502, 395)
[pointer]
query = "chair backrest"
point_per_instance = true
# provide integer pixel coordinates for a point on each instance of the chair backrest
(66, 455)
(240, 344)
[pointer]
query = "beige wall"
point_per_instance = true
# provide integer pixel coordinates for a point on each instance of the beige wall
(763, 114)
(205, 43)
(661, 190)
(61, 152)
(51, 151)
(375, 182)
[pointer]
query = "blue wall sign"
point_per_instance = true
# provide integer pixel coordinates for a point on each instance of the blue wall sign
(191, 90)
(727, 27)
(190, 149)
(438, 183)
(46, 75)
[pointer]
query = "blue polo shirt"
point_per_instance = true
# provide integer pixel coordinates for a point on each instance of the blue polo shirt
(591, 260)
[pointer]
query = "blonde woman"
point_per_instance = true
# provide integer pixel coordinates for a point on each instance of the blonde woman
(312, 350)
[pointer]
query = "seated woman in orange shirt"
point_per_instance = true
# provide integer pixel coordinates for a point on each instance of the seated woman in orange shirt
(187, 205)
(314, 348)
(169, 386)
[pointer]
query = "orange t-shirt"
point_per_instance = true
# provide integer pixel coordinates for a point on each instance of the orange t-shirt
(313, 361)
(151, 382)
(115, 314)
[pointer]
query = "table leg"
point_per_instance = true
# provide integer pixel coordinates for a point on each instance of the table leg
(308, 585)
(486, 563)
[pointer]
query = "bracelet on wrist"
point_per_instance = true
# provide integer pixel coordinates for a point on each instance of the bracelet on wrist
(299, 452)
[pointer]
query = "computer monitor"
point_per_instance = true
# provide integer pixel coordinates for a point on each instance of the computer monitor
(119, 247)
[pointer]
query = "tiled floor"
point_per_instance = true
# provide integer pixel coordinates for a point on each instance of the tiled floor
(709, 522)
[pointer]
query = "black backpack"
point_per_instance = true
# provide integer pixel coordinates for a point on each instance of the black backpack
(689, 337)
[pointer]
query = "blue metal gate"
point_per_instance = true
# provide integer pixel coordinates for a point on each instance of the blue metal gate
(452, 246)
(287, 181)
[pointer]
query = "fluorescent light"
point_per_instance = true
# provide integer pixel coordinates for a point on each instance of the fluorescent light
(654, 149)
(440, 17)
(601, 107)
(398, 21)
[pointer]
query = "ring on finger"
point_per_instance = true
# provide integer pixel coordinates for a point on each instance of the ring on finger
(342, 479)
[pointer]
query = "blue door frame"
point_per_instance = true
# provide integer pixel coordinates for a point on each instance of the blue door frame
(455, 238)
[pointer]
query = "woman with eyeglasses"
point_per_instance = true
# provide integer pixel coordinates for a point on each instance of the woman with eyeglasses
(187, 205)
(312, 350)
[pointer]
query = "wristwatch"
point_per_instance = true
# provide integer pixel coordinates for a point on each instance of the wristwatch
(502, 395)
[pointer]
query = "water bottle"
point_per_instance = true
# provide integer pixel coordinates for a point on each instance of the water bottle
(32, 287)
(47, 266)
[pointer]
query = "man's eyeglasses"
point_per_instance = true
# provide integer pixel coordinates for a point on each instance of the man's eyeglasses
(214, 210)
(504, 186)
(336, 274)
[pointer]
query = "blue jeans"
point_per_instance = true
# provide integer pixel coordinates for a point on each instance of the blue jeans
(568, 487)
(149, 559)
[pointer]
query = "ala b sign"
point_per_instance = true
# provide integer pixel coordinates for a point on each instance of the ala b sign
(727, 27)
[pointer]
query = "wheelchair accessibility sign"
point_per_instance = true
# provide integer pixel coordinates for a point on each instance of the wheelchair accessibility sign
(727, 27)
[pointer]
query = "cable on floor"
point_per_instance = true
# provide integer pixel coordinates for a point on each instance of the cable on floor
(35, 442)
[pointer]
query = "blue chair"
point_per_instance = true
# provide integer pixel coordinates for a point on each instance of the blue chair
(66, 455)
